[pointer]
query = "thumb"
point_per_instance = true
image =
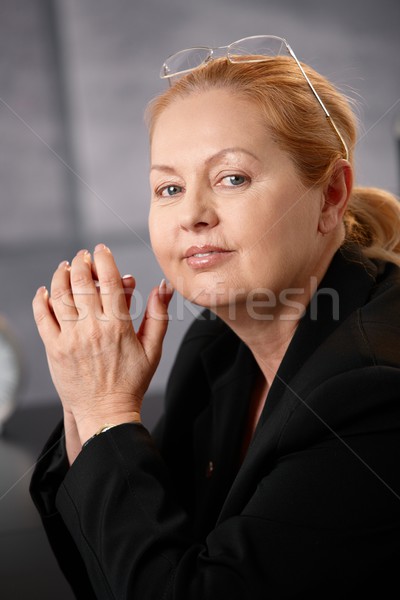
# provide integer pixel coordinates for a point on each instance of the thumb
(155, 321)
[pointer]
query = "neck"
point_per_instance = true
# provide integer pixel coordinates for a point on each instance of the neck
(269, 332)
(268, 340)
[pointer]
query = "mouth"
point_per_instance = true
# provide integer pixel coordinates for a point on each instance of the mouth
(204, 250)
(200, 257)
(202, 254)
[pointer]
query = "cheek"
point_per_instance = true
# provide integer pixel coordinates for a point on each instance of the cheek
(157, 239)
(162, 240)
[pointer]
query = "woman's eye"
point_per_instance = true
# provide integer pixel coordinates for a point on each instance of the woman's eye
(169, 191)
(234, 180)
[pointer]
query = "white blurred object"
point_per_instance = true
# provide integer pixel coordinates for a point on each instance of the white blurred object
(10, 372)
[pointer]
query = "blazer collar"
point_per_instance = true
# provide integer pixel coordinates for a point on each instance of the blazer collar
(228, 359)
(346, 286)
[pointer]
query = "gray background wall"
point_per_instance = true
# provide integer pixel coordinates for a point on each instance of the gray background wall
(75, 76)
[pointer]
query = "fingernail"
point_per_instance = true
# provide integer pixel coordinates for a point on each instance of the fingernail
(82, 252)
(63, 263)
(41, 290)
(165, 291)
(127, 277)
(100, 247)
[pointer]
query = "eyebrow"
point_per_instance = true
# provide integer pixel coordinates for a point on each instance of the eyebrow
(215, 157)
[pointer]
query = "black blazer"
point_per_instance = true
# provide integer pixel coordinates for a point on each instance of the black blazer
(313, 511)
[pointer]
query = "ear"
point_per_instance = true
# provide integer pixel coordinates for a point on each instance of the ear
(336, 194)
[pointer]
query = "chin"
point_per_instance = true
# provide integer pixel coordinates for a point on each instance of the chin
(201, 297)
(212, 300)
(209, 289)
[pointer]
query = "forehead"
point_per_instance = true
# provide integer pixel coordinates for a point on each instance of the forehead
(207, 118)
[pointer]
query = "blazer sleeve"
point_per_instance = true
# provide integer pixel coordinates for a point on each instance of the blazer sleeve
(310, 529)
(50, 470)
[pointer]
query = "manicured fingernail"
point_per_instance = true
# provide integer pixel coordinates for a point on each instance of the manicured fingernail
(82, 252)
(41, 290)
(165, 291)
(63, 263)
(127, 277)
(100, 247)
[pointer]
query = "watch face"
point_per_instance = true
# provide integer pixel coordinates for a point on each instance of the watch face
(10, 373)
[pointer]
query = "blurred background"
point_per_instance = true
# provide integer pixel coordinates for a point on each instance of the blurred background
(75, 77)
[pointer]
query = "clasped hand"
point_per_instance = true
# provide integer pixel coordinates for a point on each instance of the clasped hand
(100, 366)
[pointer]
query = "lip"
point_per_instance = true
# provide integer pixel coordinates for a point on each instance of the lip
(200, 257)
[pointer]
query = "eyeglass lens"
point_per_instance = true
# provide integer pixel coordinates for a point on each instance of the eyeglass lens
(186, 60)
(257, 46)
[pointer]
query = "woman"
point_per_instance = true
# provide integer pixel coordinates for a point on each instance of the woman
(274, 471)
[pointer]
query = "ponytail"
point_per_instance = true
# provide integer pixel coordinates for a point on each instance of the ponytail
(372, 220)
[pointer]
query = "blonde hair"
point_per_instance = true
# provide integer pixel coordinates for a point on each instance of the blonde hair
(299, 126)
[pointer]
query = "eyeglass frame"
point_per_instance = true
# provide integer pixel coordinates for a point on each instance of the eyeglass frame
(210, 56)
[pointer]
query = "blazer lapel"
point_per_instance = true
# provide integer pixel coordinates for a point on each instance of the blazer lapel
(319, 321)
(218, 430)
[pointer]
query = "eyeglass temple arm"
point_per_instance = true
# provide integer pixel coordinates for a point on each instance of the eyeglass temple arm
(328, 116)
(336, 130)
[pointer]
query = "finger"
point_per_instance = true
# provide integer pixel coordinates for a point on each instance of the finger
(129, 284)
(94, 272)
(62, 302)
(112, 291)
(155, 322)
(45, 320)
(83, 286)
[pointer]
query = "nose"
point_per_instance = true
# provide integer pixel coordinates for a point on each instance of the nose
(198, 211)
